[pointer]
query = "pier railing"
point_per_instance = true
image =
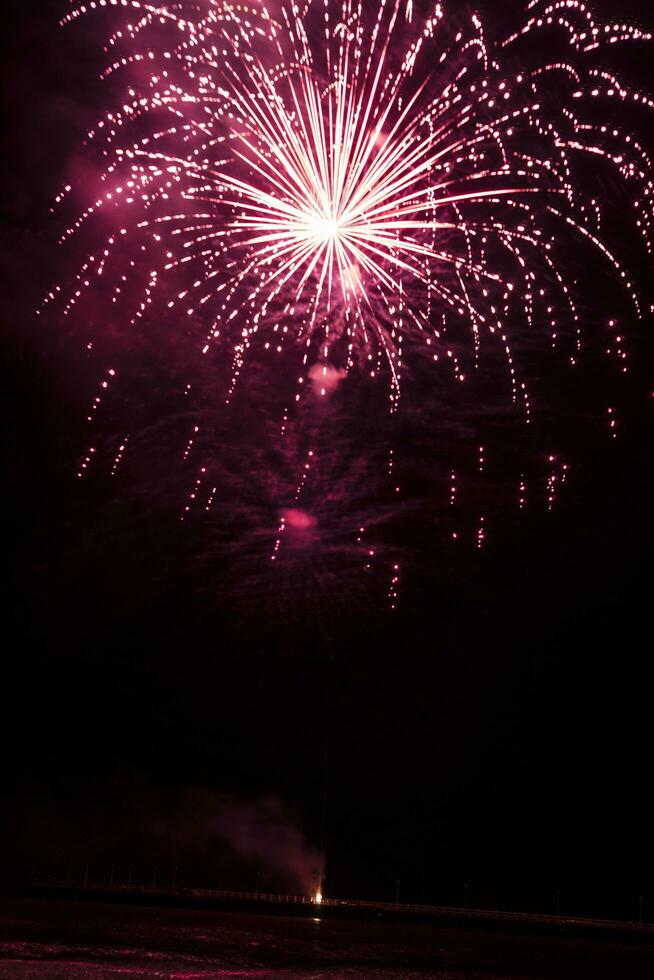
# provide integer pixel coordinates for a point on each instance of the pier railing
(53, 884)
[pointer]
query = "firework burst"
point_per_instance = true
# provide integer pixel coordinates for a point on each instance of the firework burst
(352, 180)
(332, 188)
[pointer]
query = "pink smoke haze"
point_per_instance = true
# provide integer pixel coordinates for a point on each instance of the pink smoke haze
(263, 833)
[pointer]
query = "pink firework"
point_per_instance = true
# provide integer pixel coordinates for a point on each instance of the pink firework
(296, 202)
(357, 181)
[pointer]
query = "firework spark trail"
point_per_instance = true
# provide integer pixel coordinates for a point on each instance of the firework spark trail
(318, 177)
(352, 180)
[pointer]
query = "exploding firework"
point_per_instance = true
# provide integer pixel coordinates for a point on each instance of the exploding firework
(352, 180)
(339, 190)
(322, 533)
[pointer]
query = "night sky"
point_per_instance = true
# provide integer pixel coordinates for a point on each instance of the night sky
(159, 693)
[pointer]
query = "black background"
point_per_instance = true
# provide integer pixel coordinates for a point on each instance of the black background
(494, 732)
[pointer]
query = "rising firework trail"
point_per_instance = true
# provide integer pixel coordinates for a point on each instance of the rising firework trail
(335, 189)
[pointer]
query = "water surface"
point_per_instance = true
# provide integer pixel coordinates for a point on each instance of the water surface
(53, 940)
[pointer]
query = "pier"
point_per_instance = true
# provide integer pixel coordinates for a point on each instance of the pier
(326, 907)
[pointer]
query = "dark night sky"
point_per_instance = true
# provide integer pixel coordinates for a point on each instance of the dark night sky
(495, 730)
